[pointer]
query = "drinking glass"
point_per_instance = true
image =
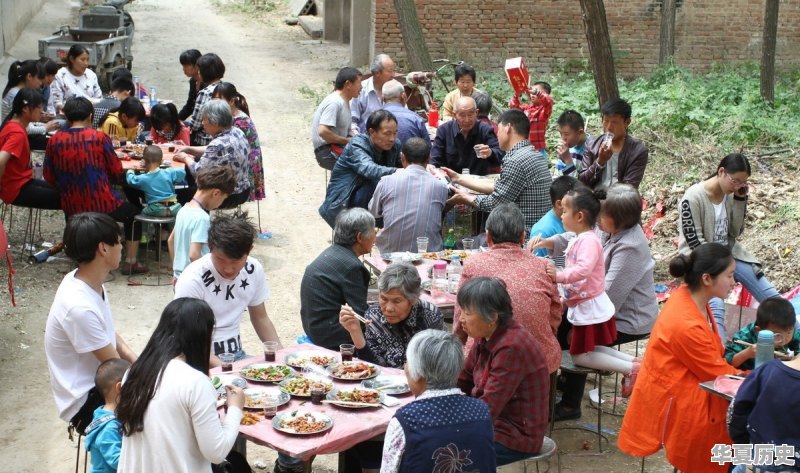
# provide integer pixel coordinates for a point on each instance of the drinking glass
(468, 242)
(270, 348)
(347, 351)
(422, 244)
(270, 408)
(227, 361)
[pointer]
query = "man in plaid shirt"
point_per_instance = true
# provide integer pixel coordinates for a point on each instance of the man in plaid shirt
(524, 179)
(538, 112)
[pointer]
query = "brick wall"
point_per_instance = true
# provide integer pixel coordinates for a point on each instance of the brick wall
(549, 33)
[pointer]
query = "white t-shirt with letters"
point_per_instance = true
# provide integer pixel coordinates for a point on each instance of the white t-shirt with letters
(228, 298)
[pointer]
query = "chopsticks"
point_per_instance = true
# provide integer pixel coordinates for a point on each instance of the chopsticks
(748, 344)
(390, 386)
(361, 318)
(350, 403)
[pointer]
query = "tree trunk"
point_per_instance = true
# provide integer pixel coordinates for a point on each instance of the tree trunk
(605, 78)
(667, 37)
(768, 50)
(419, 59)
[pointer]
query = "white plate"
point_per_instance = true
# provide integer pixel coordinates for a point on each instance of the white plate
(294, 359)
(288, 416)
(376, 370)
(398, 382)
(288, 371)
(332, 396)
(258, 397)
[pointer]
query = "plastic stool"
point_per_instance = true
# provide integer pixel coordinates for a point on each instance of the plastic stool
(568, 365)
(549, 448)
(159, 222)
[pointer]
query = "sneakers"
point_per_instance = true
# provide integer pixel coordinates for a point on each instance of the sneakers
(630, 379)
(133, 268)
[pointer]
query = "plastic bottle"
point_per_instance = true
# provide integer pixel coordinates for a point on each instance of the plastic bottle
(765, 347)
(450, 241)
(136, 86)
(454, 274)
(433, 115)
(153, 98)
(41, 256)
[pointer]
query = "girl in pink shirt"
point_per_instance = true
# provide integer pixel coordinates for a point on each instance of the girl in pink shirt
(582, 281)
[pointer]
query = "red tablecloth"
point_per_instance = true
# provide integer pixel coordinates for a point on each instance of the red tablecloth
(135, 163)
(350, 426)
(445, 301)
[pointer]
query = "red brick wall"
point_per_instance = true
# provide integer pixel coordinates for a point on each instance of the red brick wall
(549, 33)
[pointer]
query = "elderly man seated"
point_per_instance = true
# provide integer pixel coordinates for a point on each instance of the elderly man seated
(410, 203)
(524, 179)
(366, 159)
(455, 142)
(371, 96)
(461, 426)
(408, 123)
(330, 128)
(534, 294)
(337, 277)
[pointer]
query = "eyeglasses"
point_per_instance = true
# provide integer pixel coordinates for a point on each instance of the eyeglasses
(737, 182)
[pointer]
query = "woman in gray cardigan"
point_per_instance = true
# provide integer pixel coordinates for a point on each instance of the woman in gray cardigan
(714, 211)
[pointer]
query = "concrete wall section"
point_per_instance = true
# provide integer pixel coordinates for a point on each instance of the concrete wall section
(549, 33)
(14, 15)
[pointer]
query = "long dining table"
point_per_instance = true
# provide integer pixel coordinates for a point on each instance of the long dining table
(350, 426)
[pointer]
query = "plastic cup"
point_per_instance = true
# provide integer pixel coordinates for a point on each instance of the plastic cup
(148, 141)
(347, 351)
(317, 393)
(270, 409)
(270, 348)
(468, 243)
(123, 142)
(465, 172)
(227, 361)
(477, 149)
(422, 244)
(171, 148)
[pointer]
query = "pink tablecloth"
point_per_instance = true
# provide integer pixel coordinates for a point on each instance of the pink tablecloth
(350, 426)
(443, 302)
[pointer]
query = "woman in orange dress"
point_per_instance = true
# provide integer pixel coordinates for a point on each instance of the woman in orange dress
(668, 408)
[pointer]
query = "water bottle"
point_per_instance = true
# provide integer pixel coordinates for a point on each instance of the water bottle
(454, 274)
(153, 98)
(433, 115)
(136, 86)
(450, 241)
(765, 347)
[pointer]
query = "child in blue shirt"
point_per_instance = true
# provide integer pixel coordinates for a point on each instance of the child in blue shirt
(104, 434)
(550, 223)
(571, 145)
(775, 314)
(157, 184)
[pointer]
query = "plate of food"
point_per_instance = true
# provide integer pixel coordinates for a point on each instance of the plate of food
(447, 255)
(302, 422)
(301, 358)
(388, 384)
(404, 256)
(355, 398)
(266, 372)
(301, 387)
(353, 370)
(259, 398)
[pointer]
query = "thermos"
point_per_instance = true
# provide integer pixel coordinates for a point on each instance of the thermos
(765, 348)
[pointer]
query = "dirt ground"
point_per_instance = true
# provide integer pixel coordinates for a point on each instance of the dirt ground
(270, 63)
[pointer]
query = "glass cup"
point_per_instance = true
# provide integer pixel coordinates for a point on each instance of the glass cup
(227, 361)
(270, 408)
(317, 393)
(468, 243)
(270, 348)
(422, 244)
(347, 351)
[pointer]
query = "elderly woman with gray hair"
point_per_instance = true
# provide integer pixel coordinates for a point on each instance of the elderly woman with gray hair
(398, 316)
(228, 147)
(337, 277)
(442, 426)
(505, 368)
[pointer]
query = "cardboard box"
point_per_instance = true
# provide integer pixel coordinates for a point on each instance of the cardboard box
(517, 75)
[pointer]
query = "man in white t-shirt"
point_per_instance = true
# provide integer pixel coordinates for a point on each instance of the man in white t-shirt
(79, 334)
(230, 281)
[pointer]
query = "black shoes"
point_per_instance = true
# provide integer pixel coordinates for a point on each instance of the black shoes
(566, 413)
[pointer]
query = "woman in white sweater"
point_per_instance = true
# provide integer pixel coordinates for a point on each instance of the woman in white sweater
(167, 406)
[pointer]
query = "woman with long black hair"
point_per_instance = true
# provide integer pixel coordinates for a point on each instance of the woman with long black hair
(167, 406)
(17, 185)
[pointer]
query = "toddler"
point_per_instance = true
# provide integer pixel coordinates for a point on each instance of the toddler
(104, 434)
